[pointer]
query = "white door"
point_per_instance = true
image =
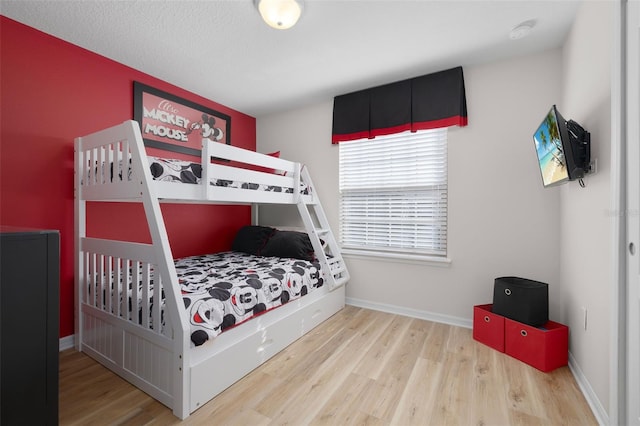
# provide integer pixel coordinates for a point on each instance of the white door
(633, 221)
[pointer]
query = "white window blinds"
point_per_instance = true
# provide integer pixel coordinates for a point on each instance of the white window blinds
(393, 193)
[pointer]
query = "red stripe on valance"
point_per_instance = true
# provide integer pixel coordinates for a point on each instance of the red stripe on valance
(436, 124)
(389, 130)
(349, 137)
(426, 102)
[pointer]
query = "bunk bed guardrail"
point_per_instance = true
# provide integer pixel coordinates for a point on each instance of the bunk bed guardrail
(111, 165)
(149, 345)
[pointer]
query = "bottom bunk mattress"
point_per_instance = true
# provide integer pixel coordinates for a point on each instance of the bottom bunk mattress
(225, 289)
(219, 291)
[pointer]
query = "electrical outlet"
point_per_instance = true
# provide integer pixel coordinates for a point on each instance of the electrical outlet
(584, 317)
(593, 166)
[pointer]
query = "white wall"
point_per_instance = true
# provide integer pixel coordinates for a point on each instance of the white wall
(586, 232)
(501, 220)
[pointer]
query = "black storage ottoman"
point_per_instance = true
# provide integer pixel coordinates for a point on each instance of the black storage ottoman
(522, 300)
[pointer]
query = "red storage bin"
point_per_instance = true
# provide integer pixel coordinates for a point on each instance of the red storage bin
(488, 328)
(545, 348)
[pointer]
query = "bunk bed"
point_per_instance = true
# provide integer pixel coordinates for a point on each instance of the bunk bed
(129, 298)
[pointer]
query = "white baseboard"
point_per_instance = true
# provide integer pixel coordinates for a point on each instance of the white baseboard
(408, 312)
(592, 399)
(67, 342)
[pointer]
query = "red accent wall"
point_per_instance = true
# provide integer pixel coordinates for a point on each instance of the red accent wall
(53, 91)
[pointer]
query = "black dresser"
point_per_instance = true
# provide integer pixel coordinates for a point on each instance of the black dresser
(29, 336)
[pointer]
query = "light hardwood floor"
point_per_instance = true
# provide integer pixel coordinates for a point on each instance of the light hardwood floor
(359, 367)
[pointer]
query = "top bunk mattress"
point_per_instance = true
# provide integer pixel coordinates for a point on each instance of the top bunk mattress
(180, 171)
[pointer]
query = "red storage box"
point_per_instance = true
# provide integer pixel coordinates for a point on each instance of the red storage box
(488, 328)
(545, 348)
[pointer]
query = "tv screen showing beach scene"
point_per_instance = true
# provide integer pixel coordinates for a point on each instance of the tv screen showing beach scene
(551, 159)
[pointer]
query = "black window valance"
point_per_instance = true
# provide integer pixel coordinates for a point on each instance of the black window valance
(426, 102)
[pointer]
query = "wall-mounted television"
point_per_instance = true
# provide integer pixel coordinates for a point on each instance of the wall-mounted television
(563, 148)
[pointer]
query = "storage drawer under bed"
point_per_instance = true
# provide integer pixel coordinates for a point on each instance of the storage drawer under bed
(212, 375)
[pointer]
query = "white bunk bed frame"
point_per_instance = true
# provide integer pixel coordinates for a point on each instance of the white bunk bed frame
(162, 361)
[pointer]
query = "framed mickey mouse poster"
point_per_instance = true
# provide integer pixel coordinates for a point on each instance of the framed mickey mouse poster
(175, 124)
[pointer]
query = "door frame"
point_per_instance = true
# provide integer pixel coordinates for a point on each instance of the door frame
(632, 135)
(623, 208)
(617, 376)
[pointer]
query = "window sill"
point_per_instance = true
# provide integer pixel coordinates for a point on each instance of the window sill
(397, 257)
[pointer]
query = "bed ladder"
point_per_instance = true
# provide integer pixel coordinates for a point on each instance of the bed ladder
(328, 255)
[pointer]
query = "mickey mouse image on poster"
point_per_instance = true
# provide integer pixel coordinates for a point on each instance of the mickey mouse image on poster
(207, 128)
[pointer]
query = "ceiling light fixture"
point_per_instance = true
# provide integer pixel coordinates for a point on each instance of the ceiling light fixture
(280, 14)
(522, 30)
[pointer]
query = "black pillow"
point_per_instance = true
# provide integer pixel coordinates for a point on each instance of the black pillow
(252, 239)
(289, 244)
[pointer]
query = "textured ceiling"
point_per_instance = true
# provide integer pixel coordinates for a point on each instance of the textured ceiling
(221, 50)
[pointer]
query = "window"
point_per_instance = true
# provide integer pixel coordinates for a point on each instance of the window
(393, 194)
